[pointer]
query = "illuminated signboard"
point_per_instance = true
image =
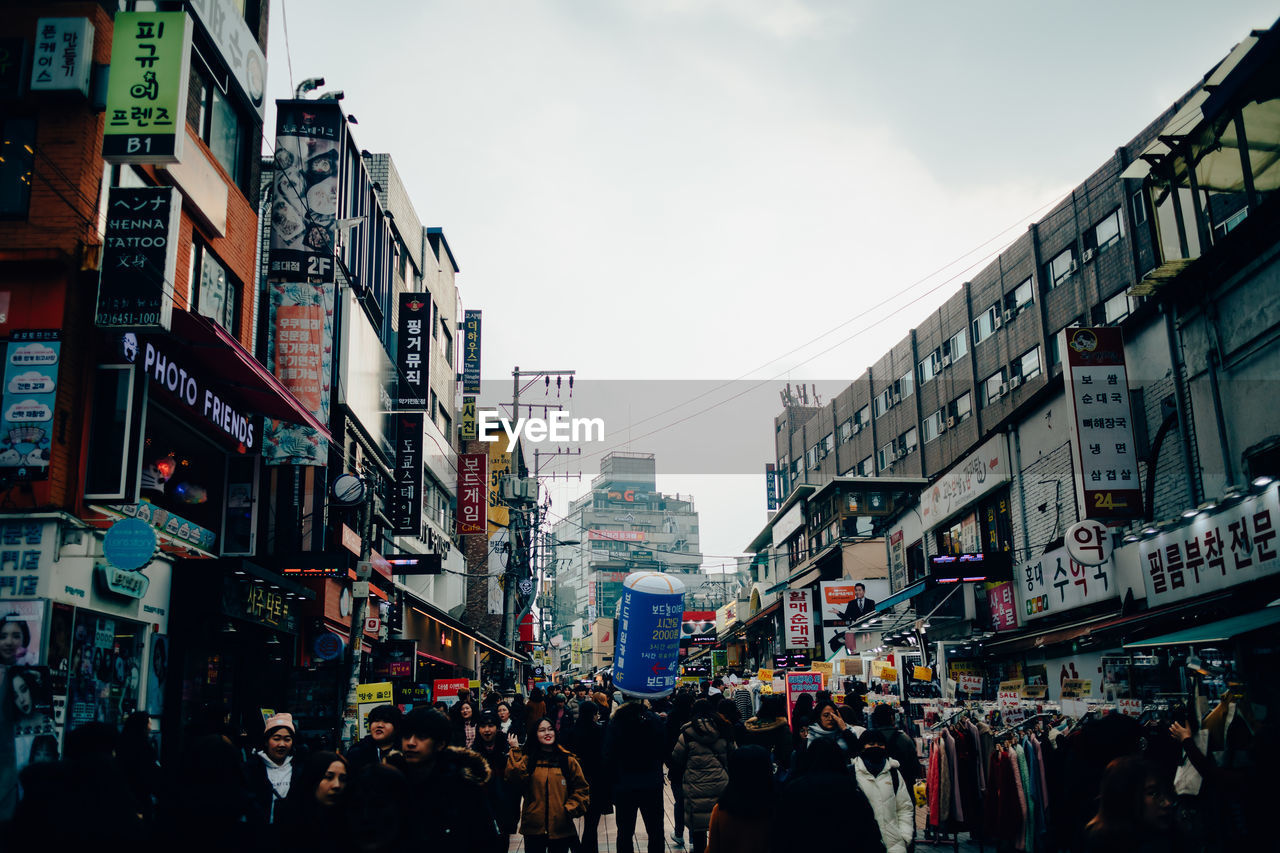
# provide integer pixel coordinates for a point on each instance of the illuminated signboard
(968, 568)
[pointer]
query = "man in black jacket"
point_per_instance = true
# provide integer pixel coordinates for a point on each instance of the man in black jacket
(383, 737)
(634, 751)
(446, 786)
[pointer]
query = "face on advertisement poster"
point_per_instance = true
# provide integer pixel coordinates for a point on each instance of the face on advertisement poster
(846, 603)
(106, 669)
(26, 710)
(21, 630)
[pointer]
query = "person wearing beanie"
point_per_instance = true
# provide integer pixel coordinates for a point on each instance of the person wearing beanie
(447, 785)
(272, 769)
(383, 737)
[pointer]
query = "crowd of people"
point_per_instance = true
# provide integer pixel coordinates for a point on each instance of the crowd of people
(468, 775)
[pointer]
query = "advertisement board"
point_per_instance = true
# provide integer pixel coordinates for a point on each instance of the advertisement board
(473, 493)
(31, 365)
(648, 634)
(797, 618)
(845, 603)
(300, 354)
(406, 492)
(147, 88)
(471, 352)
(1055, 583)
(304, 206)
(698, 628)
(798, 684)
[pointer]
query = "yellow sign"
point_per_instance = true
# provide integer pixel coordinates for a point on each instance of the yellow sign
(1074, 688)
(380, 692)
(1013, 685)
(850, 666)
(765, 675)
(825, 668)
(1034, 691)
(499, 467)
(882, 670)
(468, 418)
(922, 673)
(146, 116)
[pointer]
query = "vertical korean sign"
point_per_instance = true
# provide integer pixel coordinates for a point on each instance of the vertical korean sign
(473, 493)
(411, 351)
(147, 89)
(469, 431)
(1004, 612)
(304, 204)
(771, 486)
(406, 493)
(139, 258)
(1102, 423)
(26, 409)
(797, 615)
(63, 55)
(300, 354)
(471, 352)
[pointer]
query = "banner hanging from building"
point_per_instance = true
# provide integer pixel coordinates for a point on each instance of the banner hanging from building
(26, 407)
(797, 616)
(698, 628)
(471, 352)
(1004, 610)
(1212, 552)
(139, 258)
(147, 89)
(406, 493)
(300, 354)
(412, 351)
(472, 493)
(304, 204)
(1097, 385)
(1054, 583)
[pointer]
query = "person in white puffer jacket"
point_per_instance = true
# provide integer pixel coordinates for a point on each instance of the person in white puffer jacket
(887, 790)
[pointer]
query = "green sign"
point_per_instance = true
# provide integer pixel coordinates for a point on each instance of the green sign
(147, 89)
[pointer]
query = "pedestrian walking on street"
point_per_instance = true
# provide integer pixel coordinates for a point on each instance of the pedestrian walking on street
(822, 785)
(509, 724)
(769, 729)
(633, 755)
(586, 741)
(1136, 811)
(554, 788)
(272, 769)
(311, 817)
(504, 802)
(901, 747)
(742, 821)
(383, 737)
(464, 715)
(829, 725)
(446, 786)
(888, 790)
(702, 754)
(681, 712)
(535, 709)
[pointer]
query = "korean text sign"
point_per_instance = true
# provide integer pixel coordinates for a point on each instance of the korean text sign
(798, 684)
(473, 493)
(471, 352)
(304, 208)
(1102, 422)
(139, 258)
(406, 493)
(147, 90)
(1053, 583)
(26, 407)
(63, 55)
(1004, 612)
(412, 352)
(797, 615)
(1213, 552)
(649, 634)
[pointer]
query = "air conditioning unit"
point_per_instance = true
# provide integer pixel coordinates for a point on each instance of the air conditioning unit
(942, 427)
(897, 398)
(951, 422)
(999, 320)
(1075, 267)
(1087, 256)
(1007, 315)
(946, 361)
(1015, 381)
(1001, 391)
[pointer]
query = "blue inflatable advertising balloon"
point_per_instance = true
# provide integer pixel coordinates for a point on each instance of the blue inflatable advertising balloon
(648, 634)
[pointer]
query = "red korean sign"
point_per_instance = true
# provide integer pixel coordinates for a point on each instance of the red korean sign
(473, 493)
(1004, 610)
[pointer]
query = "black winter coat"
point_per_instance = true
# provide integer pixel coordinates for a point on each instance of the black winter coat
(831, 794)
(774, 735)
(452, 810)
(261, 795)
(634, 750)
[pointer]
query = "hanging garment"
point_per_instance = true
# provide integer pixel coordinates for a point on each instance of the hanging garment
(945, 782)
(1009, 808)
(957, 808)
(934, 780)
(1027, 840)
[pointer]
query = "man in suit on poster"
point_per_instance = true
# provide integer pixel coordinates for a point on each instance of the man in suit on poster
(860, 607)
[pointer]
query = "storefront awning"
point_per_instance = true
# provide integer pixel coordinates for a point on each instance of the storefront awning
(257, 387)
(764, 614)
(1214, 632)
(481, 639)
(899, 597)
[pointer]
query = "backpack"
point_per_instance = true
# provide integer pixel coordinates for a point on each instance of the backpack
(897, 779)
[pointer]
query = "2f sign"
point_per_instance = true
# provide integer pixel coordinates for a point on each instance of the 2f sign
(320, 267)
(1089, 543)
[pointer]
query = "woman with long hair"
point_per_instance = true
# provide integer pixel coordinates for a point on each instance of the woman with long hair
(465, 716)
(742, 820)
(310, 817)
(554, 788)
(1135, 810)
(701, 755)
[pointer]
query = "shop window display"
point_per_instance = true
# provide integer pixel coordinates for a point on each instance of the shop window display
(105, 669)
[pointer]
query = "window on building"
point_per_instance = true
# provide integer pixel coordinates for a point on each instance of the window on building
(445, 422)
(17, 161)
(994, 387)
(217, 295)
(1138, 201)
(436, 321)
(447, 346)
(885, 455)
(1107, 231)
(883, 402)
(811, 457)
(1028, 364)
(909, 441)
(1021, 296)
(862, 417)
(1117, 308)
(828, 443)
(961, 407)
(867, 468)
(985, 324)
(845, 430)
(223, 129)
(930, 365)
(905, 385)
(957, 346)
(1062, 267)
(932, 426)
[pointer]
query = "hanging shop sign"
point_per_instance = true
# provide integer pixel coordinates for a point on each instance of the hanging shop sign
(139, 258)
(186, 384)
(328, 646)
(305, 202)
(412, 352)
(981, 472)
(406, 491)
(771, 486)
(129, 544)
(227, 28)
(1102, 423)
(468, 421)
(170, 526)
(1212, 552)
(26, 406)
(471, 352)
(300, 355)
(969, 683)
(259, 604)
(370, 696)
(63, 55)
(1089, 542)
(648, 634)
(472, 493)
(797, 616)
(1055, 583)
(1004, 610)
(120, 582)
(147, 88)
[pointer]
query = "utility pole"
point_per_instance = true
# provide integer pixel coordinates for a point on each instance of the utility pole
(360, 598)
(522, 548)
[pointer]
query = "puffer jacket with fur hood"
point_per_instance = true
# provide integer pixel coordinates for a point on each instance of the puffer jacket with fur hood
(895, 812)
(555, 791)
(774, 735)
(702, 757)
(452, 809)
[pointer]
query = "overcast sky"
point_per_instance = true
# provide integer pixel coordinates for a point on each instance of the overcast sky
(699, 189)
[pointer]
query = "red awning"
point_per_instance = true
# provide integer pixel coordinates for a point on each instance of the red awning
(237, 369)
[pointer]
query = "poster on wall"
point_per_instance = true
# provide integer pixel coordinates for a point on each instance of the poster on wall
(26, 408)
(304, 208)
(157, 674)
(845, 604)
(106, 669)
(21, 632)
(300, 354)
(26, 712)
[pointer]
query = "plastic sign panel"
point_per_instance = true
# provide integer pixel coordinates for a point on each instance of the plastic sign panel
(471, 352)
(26, 407)
(472, 493)
(1054, 583)
(648, 634)
(798, 684)
(63, 55)
(148, 87)
(406, 492)
(370, 696)
(1097, 385)
(304, 206)
(970, 568)
(771, 486)
(1089, 543)
(797, 618)
(1004, 610)
(139, 258)
(412, 350)
(698, 628)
